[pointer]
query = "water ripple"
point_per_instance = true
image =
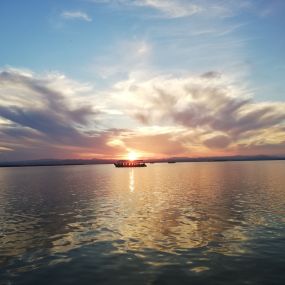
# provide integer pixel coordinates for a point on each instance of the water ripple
(158, 225)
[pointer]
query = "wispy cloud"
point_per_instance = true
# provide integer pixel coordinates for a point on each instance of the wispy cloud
(166, 8)
(171, 8)
(183, 8)
(117, 62)
(76, 15)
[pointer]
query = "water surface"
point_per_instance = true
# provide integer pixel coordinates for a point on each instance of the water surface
(188, 223)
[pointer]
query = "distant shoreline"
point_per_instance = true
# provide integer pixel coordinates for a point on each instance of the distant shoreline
(98, 162)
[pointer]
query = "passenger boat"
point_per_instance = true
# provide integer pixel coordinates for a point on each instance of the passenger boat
(130, 163)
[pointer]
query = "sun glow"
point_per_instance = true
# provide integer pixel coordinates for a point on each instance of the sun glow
(132, 155)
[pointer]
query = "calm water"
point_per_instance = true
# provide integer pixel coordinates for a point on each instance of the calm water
(203, 223)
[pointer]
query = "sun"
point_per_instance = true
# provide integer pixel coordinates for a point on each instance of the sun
(132, 155)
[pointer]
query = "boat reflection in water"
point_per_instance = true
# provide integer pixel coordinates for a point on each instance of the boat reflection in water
(130, 163)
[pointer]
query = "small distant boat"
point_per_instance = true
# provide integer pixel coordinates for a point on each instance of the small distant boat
(171, 161)
(130, 163)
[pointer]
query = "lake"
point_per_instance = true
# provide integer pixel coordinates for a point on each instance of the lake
(183, 223)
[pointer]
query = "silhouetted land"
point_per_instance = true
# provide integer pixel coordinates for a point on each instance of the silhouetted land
(55, 162)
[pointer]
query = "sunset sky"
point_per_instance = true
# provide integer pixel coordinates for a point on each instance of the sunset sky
(161, 78)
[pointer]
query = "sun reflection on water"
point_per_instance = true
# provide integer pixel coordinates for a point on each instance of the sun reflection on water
(132, 181)
(173, 212)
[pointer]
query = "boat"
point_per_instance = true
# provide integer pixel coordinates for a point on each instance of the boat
(171, 161)
(130, 163)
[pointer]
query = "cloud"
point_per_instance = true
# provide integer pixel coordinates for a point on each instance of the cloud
(52, 116)
(183, 8)
(150, 142)
(47, 114)
(220, 141)
(224, 113)
(166, 8)
(171, 8)
(76, 15)
(116, 62)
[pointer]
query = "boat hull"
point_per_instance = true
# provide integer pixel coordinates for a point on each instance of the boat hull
(130, 163)
(128, 166)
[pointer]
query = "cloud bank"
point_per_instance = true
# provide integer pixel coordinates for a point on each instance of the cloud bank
(218, 113)
(52, 116)
(47, 116)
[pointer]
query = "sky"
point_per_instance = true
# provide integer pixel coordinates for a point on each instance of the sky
(161, 78)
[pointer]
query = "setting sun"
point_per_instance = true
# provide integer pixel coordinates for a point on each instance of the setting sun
(132, 155)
